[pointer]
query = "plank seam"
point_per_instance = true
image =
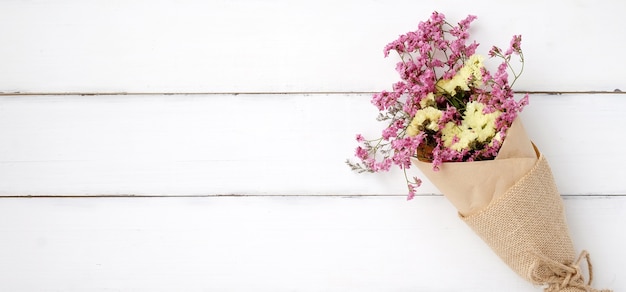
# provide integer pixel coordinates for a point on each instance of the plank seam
(616, 91)
(254, 196)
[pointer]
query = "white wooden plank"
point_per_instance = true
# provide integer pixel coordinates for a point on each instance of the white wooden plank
(282, 45)
(273, 244)
(260, 144)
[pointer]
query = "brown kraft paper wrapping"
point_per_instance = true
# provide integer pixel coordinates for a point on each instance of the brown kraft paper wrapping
(513, 204)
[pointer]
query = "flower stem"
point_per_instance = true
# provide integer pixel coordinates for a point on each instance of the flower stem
(521, 56)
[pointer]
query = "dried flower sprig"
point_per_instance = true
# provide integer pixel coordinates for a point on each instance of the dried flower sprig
(447, 107)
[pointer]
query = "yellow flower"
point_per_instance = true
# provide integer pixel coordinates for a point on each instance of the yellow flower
(475, 127)
(425, 118)
(497, 137)
(445, 86)
(466, 137)
(474, 65)
(450, 86)
(470, 73)
(483, 125)
(463, 135)
(464, 74)
(427, 101)
(448, 133)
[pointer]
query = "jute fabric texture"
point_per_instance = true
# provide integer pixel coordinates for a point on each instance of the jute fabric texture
(527, 229)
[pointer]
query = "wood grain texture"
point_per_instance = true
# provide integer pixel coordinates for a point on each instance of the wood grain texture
(286, 46)
(252, 106)
(269, 144)
(273, 244)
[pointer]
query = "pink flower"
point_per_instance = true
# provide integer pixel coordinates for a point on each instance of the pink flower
(438, 50)
(411, 192)
(515, 45)
(390, 132)
(465, 23)
(384, 99)
(494, 51)
(384, 165)
(361, 153)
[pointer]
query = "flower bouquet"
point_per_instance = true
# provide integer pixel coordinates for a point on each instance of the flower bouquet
(458, 123)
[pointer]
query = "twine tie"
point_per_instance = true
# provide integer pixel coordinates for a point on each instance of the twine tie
(567, 276)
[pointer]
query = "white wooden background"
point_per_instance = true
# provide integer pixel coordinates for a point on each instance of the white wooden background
(199, 145)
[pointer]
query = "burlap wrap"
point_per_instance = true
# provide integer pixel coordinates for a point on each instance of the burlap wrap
(526, 227)
(513, 204)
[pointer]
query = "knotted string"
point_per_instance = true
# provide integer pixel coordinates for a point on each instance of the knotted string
(566, 276)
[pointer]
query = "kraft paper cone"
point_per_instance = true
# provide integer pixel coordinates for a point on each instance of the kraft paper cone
(513, 204)
(471, 186)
